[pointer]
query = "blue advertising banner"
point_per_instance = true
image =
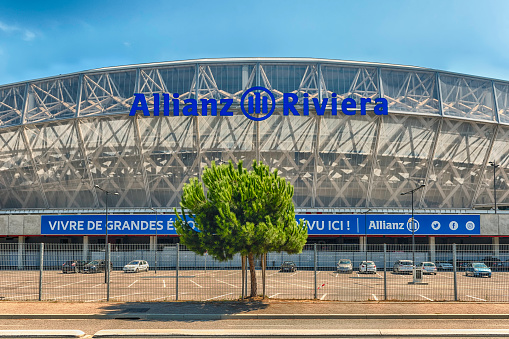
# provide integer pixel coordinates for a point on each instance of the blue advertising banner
(318, 224)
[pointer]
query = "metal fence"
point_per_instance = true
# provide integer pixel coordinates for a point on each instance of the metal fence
(38, 272)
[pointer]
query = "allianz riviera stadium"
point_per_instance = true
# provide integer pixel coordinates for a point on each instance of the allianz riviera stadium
(61, 136)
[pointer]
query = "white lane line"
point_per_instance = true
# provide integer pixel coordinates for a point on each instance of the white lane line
(219, 296)
(200, 286)
(336, 275)
(379, 275)
(323, 296)
(164, 283)
(476, 298)
(77, 282)
(272, 296)
(425, 297)
(293, 274)
(97, 285)
(374, 296)
(230, 274)
(222, 282)
(132, 283)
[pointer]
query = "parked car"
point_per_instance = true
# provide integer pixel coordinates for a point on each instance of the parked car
(403, 266)
(504, 266)
(344, 266)
(478, 269)
(136, 266)
(367, 267)
(444, 266)
(74, 266)
(288, 266)
(461, 265)
(96, 266)
(494, 263)
(427, 267)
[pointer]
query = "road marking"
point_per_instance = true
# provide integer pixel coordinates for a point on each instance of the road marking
(425, 297)
(323, 296)
(164, 283)
(379, 275)
(219, 296)
(374, 296)
(476, 298)
(336, 275)
(293, 274)
(200, 286)
(230, 274)
(97, 285)
(224, 283)
(272, 296)
(132, 283)
(77, 282)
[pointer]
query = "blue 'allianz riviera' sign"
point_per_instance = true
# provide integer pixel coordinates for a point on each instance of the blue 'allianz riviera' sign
(258, 107)
(318, 224)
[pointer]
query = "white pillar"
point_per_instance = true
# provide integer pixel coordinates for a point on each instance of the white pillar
(432, 248)
(85, 247)
(21, 251)
(152, 243)
(496, 246)
(362, 244)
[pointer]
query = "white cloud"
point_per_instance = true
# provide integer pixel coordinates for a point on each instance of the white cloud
(27, 35)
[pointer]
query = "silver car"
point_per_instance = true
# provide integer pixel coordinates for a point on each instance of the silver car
(367, 267)
(344, 266)
(403, 266)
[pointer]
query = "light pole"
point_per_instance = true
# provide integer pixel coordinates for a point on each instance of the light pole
(492, 163)
(413, 226)
(106, 261)
(366, 232)
(155, 252)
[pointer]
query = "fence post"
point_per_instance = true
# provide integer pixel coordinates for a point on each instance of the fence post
(316, 261)
(385, 271)
(454, 272)
(41, 269)
(177, 274)
(107, 268)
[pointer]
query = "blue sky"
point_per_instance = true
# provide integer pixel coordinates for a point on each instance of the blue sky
(46, 38)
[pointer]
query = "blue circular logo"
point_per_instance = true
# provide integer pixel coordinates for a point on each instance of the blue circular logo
(257, 105)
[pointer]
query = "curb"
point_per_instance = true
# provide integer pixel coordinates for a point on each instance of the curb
(240, 316)
(41, 334)
(247, 333)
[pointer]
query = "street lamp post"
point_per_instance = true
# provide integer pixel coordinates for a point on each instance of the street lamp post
(492, 163)
(155, 251)
(366, 232)
(413, 225)
(106, 256)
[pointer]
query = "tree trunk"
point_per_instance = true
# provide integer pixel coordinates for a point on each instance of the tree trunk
(264, 264)
(252, 270)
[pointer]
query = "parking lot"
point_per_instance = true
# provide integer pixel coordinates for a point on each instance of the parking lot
(226, 284)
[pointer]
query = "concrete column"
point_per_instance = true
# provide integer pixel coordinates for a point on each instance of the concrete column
(496, 246)
(432, 249)
(85, 247)
(21, 252)
(152, 243)
(362, 244)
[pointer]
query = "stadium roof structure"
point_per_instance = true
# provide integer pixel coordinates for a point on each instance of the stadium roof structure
(61, 136)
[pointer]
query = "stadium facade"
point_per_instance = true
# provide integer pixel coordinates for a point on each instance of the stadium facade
(62, 136)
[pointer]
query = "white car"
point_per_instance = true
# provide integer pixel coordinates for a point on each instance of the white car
(403, 266)
(428, 267)
(445, 266)
(344, 266)
(367, 267)
(136, 266)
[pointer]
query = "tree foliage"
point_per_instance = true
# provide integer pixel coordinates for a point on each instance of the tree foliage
(241, 211)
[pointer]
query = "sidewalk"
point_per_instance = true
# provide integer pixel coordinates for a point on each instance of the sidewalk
(254, 310)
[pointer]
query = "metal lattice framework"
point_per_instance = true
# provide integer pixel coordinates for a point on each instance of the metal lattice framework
(61, 136)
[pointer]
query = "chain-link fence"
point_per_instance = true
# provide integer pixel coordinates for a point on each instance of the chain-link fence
(77, 272)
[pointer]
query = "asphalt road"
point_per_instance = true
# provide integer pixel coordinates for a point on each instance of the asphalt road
(214, 285)
(92, 326)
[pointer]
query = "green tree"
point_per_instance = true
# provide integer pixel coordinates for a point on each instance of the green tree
(241, 211)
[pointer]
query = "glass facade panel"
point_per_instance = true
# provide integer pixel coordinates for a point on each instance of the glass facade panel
(502, 96)
(107, 93)
(408, 91)
(467, 97)
(11, 104)
(54, 99)
(350, 82)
